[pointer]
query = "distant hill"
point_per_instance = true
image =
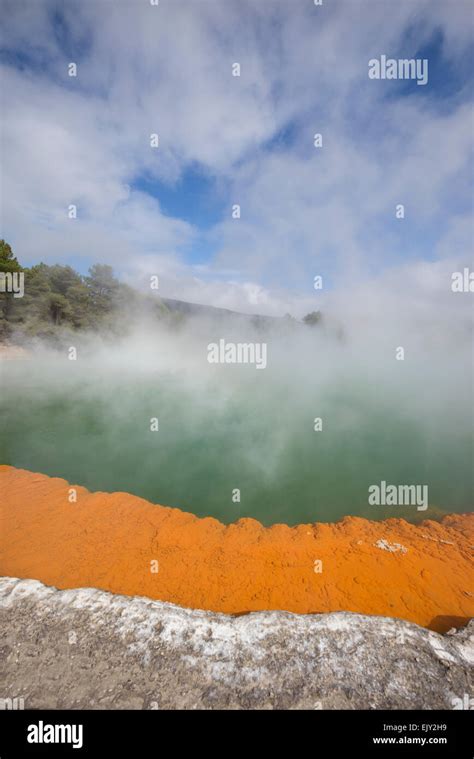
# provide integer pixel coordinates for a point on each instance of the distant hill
(56, 301)
(198, 309)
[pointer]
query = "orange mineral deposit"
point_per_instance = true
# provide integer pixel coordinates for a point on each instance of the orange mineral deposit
(124, 544)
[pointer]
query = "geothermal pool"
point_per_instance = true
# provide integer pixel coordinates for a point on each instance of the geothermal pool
(254, 432)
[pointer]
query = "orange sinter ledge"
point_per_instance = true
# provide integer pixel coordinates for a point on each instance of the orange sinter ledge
(124, 544)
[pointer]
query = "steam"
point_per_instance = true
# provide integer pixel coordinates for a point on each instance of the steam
(225, 427)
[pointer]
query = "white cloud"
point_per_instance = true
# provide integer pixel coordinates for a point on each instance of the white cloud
(143, 69)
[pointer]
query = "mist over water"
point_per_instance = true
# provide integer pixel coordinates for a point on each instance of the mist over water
(223, 427)
(228, 426)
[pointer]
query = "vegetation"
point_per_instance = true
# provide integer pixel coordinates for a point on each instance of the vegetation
(58, 300)
(313, 318)
(8, 265)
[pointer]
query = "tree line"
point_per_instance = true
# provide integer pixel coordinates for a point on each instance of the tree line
(57, 299)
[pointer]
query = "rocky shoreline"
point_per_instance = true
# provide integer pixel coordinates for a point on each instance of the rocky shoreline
(87, 649)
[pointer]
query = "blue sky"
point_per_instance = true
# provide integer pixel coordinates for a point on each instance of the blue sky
(246, 140)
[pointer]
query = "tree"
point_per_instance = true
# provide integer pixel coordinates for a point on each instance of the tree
(8, 304)
(101, 280)
(35, 303)
(313, 318)
(59, 308)
(57, 300)
(8, 262)
(61, 278)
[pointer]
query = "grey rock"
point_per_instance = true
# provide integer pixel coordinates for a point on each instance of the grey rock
(86, 648)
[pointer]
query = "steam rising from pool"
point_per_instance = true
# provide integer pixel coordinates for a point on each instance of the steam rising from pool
(224, 427)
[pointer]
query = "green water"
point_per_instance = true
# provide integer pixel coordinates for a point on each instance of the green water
(256, 435)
